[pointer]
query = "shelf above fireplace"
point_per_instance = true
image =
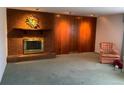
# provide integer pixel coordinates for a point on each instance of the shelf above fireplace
(24, 29)
(20, 32)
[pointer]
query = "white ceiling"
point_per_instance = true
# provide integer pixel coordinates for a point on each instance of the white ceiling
(80, 11)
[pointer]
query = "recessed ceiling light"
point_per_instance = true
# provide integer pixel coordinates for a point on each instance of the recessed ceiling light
(78, 17)
(37, 9)
(57, 15)
(67, 12)
(92, 15)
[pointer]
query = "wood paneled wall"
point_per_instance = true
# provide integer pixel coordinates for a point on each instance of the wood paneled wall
(86, 34)
(74, 34)
(62, 34)
(16, 19)
(68, 33)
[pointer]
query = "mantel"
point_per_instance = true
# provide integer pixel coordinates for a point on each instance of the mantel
(23, 29)
(21, 32)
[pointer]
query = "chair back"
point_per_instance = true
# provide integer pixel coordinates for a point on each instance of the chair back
(106, 47)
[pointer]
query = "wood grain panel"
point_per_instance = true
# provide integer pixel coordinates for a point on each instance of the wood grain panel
(62, 34)
(86, 34)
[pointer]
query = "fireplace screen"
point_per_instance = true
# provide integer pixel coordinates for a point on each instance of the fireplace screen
(33, 46)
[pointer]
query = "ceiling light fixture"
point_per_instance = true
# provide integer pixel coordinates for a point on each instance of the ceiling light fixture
(67, 13)
(78, 17)
(92, 15)
(58, 15)
(37, 9)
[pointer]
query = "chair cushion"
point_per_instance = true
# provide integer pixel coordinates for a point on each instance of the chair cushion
(110, 55)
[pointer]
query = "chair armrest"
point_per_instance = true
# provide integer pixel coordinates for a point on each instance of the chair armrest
(116, 51)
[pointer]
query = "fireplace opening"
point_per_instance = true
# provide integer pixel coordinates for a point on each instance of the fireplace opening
(33, 45)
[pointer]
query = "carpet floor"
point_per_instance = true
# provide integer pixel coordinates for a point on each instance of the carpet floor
(70, 69)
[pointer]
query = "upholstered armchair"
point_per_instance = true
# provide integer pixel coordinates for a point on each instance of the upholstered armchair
(108, 52)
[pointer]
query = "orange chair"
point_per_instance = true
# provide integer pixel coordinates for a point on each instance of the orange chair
(108, 52)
